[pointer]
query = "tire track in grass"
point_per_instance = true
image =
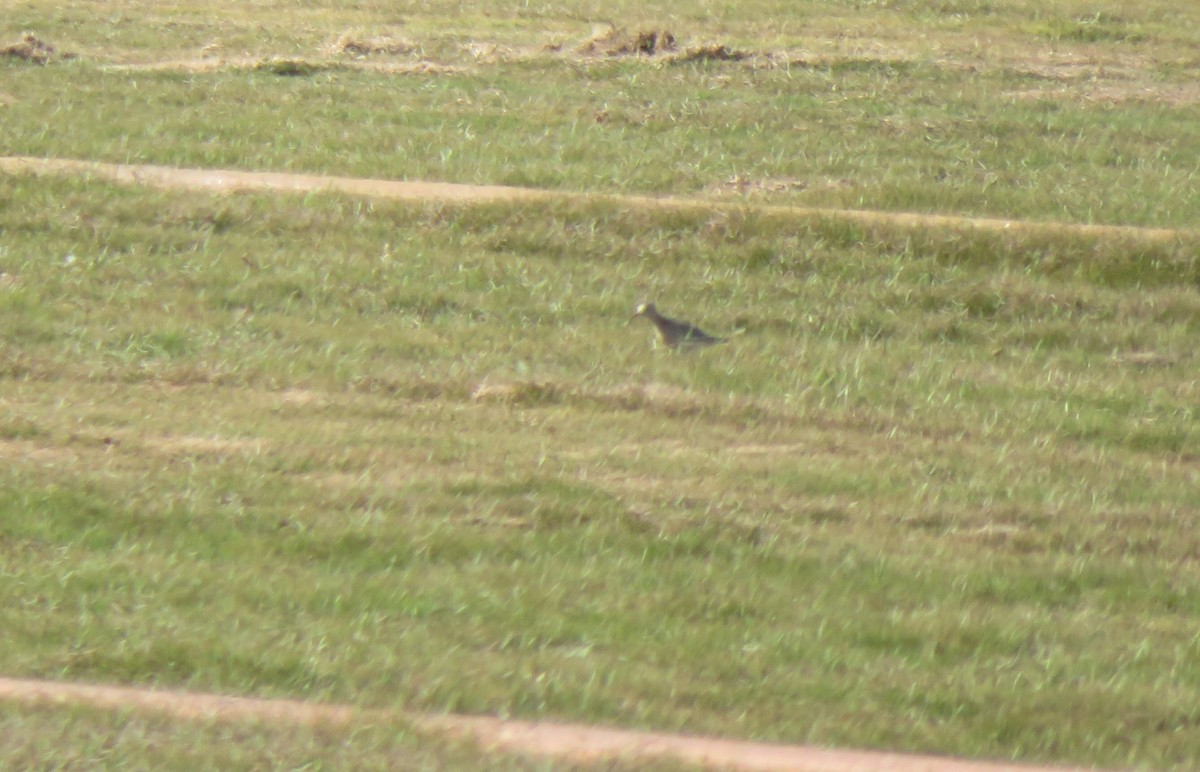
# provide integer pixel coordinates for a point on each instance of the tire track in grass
(571, 742)
(236, 180)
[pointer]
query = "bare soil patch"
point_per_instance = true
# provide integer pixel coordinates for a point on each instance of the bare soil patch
(572, 742)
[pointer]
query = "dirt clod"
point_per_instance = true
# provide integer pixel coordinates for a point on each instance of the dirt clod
(653, 42)
(617, 42)
(31, 49)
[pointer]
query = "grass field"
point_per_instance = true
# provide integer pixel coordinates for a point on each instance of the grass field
(937, 494)
(974, 109)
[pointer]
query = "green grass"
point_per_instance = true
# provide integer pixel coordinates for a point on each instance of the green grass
(935, 495)
(986, 121)
(929, 498)
(857, 138)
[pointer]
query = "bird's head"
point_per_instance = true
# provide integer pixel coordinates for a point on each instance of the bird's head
(644, 309)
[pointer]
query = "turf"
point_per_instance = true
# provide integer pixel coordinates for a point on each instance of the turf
(1015, 112)
(936, 493)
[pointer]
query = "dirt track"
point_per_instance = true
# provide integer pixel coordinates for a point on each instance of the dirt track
(571, 742)
(232, 180)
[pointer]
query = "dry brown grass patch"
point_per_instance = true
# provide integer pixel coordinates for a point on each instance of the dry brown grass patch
(1115, 93)
(743, 185)
(1144, 359)
(659, 398)
(351, 45)
(518, 392)
(192, 445)
(27, 450)
(713, 52)
(288, 66)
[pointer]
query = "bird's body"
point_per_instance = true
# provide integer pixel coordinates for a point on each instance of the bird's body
(675, 333)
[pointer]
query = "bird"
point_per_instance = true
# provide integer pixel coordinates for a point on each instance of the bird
(676, 334)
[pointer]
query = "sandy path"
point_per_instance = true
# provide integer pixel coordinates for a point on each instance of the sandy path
(571, 742)
(231, 180)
